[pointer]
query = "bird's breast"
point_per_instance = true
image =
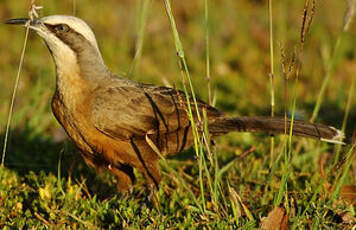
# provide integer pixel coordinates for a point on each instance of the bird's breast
(71, 106)
(92, 143)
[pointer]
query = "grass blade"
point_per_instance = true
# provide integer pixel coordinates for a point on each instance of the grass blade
(9, 118)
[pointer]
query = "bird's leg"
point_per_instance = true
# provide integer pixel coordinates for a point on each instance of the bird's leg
(92, 162)
(123, 173)
(125, 176)
(154, 197)
(149, 163)
(152, 174)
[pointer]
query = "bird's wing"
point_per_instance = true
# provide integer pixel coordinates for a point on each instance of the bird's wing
(126, 111)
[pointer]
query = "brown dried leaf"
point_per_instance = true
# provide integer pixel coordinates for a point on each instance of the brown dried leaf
(348, 194)
(276, 219)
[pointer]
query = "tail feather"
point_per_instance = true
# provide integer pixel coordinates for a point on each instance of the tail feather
(276, 125)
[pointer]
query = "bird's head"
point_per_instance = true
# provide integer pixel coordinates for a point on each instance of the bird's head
(70, 40)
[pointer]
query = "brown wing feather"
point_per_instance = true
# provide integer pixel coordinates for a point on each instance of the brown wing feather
(132, 110)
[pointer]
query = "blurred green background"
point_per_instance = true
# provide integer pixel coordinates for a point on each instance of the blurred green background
(240, 64)
(239, 52)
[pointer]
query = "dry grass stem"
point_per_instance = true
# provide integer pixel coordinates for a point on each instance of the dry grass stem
(349, 14)
(32, 14)
(308, 15)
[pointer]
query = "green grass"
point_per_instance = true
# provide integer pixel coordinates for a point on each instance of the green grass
(45, 184)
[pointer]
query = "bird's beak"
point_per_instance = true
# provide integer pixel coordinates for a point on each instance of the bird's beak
(17, 21)
(35, 24)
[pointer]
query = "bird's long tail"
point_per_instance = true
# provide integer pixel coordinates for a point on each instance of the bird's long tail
(276, 125)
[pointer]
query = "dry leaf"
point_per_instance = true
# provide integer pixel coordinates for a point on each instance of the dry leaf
(348, 194)
(276, 219)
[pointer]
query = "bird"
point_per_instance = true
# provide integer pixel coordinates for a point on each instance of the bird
(119, 124)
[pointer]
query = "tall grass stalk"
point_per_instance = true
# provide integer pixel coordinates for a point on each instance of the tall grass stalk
(330, 69)
(199, 139)
(288, 150)
(213, 160)
(198, 146)
(9, 118)
(142, 20)
(271, 74)
(285, 168)
(346, 115)
(309, 11)
(207, 48)
(349, 103)
(184, 66)
(331, 65)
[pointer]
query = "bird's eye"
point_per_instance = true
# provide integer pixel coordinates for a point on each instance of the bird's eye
(61, 28)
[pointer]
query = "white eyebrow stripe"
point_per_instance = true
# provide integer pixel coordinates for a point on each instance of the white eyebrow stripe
(74, 23)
